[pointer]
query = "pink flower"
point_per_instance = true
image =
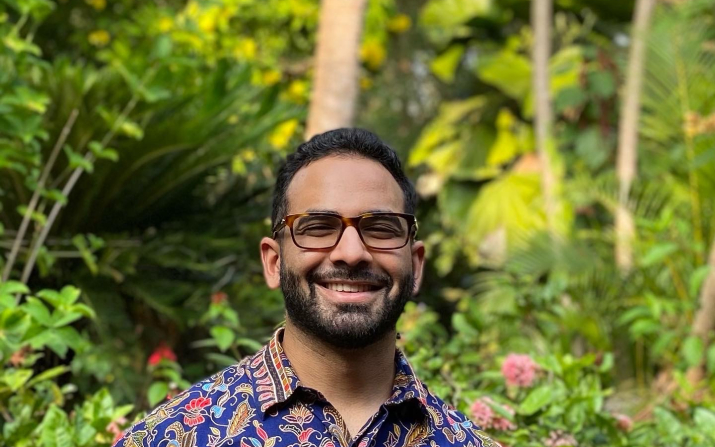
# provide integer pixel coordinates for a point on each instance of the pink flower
(484, 416)
(519, 370)
(623, 422)
(558, 438)
(113, 428)
(503, 424)
(482, 413)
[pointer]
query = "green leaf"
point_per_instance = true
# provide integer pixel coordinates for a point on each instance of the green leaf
(508, 71)
(16, 378)
(601, 83)
(697, 278)
(658, 253)
(224, 337)
(131, 129)
(536, 400)
(157, 392)
(445, 65)
(13, 287)
(38, 311)
(77, 161)
(101, 152)
(705, 420)
(693, 350)
(710, 360)
(49, 374)
(56, 195)
(37, 216)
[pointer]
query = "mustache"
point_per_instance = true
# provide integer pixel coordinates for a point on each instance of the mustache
(348, 274)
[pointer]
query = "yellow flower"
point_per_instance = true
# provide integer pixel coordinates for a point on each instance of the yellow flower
(99, 5)
(282, 134)
(298, 91)
(245, 49)
(192, 9)
(271, 77)
(399, 24)
(165, 24)
(207, 20)
(99, 38)
(365, 83)
(233, 119)
(373, 54)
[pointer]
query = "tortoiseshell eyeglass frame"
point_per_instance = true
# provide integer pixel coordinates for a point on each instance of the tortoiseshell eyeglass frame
(288, 221)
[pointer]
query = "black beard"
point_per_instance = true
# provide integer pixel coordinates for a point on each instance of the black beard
(351, 326)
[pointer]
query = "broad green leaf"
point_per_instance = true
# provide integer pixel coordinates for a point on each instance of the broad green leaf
(658, 253)
(705, 420)
(38, 311)
(537, 399)
(13, 287)
(697, 278)
(601, 83)
(224, 337)
(445, 65)
(16, 378)
(157, 393)
(508, 71)
(693, 350)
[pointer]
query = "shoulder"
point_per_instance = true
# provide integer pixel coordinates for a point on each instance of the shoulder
(199, 409)
(451, 427)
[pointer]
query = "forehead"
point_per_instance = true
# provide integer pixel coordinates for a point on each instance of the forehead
(348, 185)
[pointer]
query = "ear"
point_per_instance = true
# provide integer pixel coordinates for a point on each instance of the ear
(418, 264)
(271, 259)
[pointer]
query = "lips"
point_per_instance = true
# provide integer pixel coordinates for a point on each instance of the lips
(349, 292)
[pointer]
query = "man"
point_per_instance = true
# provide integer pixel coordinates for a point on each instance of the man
(344, 253)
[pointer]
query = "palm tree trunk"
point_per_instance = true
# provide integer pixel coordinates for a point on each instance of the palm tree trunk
(541, 12)
(335, 85)
(704, 322)
(628, 135)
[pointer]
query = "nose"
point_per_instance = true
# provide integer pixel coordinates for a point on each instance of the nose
(350, 249)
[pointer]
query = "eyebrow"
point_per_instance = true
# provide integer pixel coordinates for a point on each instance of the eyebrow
(328, 211)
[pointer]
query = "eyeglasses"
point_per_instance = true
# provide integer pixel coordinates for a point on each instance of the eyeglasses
(320, 231)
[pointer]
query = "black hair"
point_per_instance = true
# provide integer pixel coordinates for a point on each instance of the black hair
(347, 141)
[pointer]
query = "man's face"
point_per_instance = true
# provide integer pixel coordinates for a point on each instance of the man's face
(315, 283)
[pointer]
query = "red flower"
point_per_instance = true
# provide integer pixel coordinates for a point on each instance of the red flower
(161, 352)
(194, 407)
(218, 297)
(193, 420)
(304, 435)
(197, 404)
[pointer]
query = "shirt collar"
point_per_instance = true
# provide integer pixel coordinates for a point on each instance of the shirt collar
(275, 381)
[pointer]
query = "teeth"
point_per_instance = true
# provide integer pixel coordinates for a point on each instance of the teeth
(338, 287)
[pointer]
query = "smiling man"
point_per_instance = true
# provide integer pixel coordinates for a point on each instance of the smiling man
(344, 253)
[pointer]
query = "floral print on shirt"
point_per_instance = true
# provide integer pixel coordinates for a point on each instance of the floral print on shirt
(260, 403)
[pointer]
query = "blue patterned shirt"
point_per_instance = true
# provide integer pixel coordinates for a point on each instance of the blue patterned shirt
(260, 402)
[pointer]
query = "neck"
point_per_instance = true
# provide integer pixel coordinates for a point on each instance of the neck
(357, 376)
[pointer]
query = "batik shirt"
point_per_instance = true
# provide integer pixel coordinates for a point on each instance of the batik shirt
(260, 402)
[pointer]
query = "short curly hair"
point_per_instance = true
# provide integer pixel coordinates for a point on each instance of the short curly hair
(346, 141)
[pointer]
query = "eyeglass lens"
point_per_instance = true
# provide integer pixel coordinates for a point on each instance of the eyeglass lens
(322, 231)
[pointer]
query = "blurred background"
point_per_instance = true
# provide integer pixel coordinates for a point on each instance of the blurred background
(564, 155)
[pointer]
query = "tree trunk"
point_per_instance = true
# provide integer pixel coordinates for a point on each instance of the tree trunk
(628, 134)
(335, 83)
(541, 12)
(704, 322)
